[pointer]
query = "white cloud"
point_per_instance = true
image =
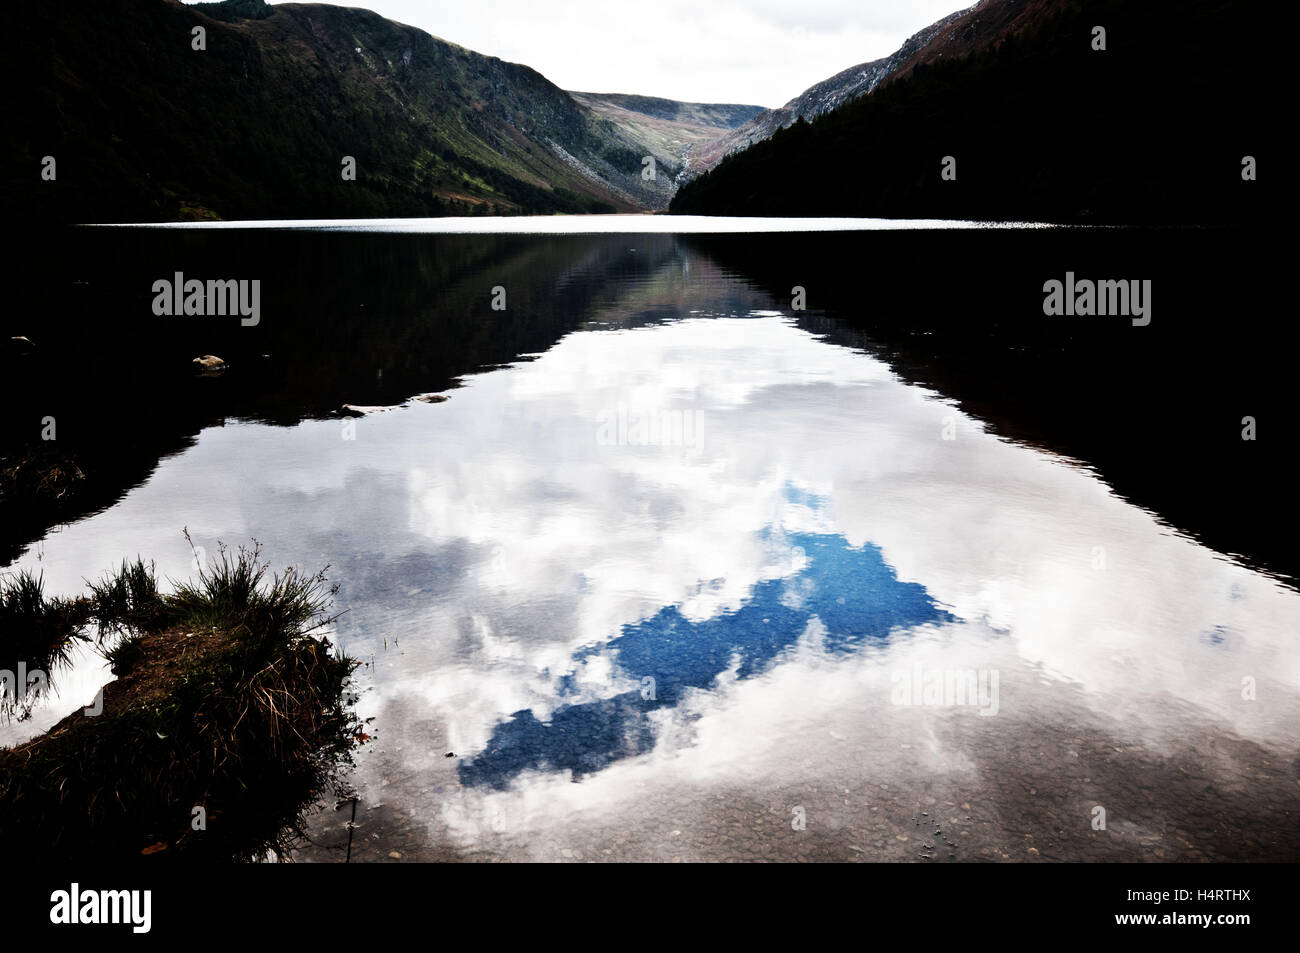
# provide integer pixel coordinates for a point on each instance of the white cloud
(563, 540)
(763, 52)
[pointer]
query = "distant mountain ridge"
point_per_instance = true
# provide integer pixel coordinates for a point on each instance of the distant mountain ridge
(669, 130)
(715, 115)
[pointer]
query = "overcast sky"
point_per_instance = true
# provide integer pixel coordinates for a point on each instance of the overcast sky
(763, 52)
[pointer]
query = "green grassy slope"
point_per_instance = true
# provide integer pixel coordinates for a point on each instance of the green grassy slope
(670, 131)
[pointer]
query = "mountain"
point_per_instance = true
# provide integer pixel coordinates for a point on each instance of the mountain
(669, 130)
(143, 127)
(822, 98)
(713, 116)
(1154, 128)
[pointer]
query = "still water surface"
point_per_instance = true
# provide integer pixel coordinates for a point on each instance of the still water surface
(682, 586)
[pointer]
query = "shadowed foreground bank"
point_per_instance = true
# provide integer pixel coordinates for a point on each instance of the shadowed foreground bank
(226, 720)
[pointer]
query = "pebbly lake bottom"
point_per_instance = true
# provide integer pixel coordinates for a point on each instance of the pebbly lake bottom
(697, 581)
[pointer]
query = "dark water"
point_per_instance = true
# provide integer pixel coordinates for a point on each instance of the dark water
(679, 571)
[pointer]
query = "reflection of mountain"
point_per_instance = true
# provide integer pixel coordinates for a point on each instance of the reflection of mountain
(346, 318)
(1157, 410)
(374, 319)
(844, 596)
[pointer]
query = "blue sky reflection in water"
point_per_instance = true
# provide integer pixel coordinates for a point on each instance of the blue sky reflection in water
(511, 578)
(848, 591)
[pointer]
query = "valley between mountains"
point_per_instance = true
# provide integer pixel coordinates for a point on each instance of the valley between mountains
(302, 110)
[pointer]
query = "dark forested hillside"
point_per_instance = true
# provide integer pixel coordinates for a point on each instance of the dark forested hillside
(1040, 126)
(143, 126)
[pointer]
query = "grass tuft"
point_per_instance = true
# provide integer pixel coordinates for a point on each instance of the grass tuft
(36, 635)
(127, 601)
(226, 706)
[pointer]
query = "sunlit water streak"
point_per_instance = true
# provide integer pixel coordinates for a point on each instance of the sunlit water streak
(594, 225)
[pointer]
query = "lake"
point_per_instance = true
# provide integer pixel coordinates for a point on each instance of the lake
(680, 571)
